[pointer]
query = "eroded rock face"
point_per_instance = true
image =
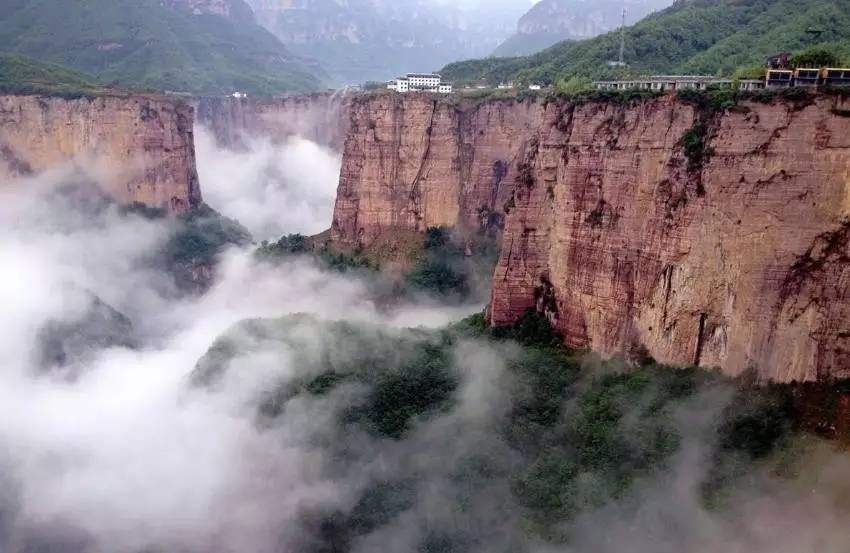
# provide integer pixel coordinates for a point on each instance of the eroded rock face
(738, 259)
(322, 118)
(413, 162)
(138, 149)
(743, 262)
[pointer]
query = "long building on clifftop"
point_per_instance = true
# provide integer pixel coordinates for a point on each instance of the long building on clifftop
(420, 82)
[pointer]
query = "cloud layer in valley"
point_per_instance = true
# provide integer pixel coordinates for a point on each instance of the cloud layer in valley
(272, 189)
(125, 455)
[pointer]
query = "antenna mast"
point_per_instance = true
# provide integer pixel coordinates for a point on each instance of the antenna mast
(622, 60)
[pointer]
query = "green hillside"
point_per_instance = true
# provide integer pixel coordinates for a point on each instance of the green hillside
(692, 36)
(523, 44)
(571, 439)
(24, 75)
(147, 44)
(548, 22)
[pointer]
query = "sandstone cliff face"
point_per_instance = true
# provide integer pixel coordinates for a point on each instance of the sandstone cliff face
(140, 148)
(739, 260)
(742, 263)
(412, 162)
(322, 118)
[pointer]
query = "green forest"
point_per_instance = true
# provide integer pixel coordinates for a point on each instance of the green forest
(573, 432)
(24, 75)
(713, 37)
(146, 44)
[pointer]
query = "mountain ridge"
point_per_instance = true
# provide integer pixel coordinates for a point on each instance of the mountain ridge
(194, 46)
(691, 36)
(363, 40)
(552, 21)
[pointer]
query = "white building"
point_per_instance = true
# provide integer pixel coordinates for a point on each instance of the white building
(534, 87)
(402, 84)
(424, 81)
(420, 82)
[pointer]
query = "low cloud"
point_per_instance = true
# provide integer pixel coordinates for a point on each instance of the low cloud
(129, 457)
(272, 189)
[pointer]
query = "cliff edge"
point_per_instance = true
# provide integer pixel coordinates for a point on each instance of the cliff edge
(141, 147)
(707, 237)
(412, 162)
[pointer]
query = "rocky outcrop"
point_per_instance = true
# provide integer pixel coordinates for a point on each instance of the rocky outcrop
(322, 118)
(69, 342)
(235, 9)
(139, 149)
(716, 239)
(737, 261)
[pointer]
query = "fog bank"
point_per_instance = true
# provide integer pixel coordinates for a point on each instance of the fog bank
(118, 452)
(271, 189)
(126, 456)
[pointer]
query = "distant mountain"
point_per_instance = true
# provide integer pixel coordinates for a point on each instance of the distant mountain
(237, 10)
(551, 21)
(198, 46)
(360, 40)
(691, 36)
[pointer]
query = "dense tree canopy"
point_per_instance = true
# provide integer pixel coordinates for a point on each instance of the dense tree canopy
(692, 36)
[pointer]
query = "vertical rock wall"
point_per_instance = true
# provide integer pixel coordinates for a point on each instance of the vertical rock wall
(139, 148)
(741, 261)
(412, 162)
(733, 253)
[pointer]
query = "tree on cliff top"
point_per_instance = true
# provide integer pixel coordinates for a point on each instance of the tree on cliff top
(816, 57)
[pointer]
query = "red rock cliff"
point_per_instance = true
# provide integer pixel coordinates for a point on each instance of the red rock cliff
(413, 162)
(141, 147)
(735, 255)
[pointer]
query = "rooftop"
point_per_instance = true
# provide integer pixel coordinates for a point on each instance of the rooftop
(662, 78)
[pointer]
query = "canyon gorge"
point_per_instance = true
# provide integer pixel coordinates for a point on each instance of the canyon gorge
(731, 254)
(588, 294)
(246, 373)
(322, 118)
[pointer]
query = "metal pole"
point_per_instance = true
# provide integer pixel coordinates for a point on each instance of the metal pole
(623, 38)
